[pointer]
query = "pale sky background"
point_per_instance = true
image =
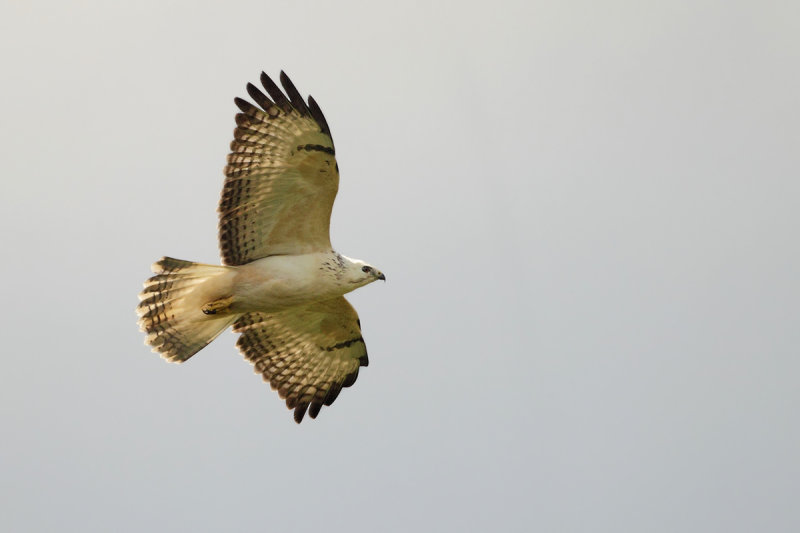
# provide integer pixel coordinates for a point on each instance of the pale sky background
(588, 217)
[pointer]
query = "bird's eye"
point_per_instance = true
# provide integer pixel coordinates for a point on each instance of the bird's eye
(366, 269)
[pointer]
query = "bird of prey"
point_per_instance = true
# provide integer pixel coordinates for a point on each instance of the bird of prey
(281, 285)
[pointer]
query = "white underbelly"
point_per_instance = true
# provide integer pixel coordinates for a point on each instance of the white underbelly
(280, 282)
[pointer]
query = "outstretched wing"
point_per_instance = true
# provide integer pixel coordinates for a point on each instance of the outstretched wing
(281, 177)
(308, 354)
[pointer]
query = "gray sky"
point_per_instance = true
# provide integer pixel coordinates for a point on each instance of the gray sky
(587, 213)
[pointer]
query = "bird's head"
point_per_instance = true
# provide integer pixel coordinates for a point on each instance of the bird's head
(358, 273)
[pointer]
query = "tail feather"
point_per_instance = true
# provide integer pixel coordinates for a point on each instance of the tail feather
(170, 308)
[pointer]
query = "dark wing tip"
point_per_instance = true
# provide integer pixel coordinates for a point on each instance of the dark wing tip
(294, 95)
(350, 379)
(260, 98)
(277, 95)
(243, 104)
(300, 412)
(294, 101)
(319, 118)
(313, 410)
(333, 393)
(242, 120)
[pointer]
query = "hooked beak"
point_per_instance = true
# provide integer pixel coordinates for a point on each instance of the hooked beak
(381, 277)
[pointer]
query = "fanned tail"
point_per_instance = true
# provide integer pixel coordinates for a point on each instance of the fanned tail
(170, 308)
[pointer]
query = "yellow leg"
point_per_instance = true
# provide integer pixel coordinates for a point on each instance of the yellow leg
(221, 305)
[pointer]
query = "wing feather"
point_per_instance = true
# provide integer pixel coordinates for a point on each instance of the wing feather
(316, 112)
(261, 99)
(307, 354)
(276, 94)
(281, 177)
(294, 95)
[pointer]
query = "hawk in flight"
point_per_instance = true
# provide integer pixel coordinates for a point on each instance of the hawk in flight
(281, 285)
